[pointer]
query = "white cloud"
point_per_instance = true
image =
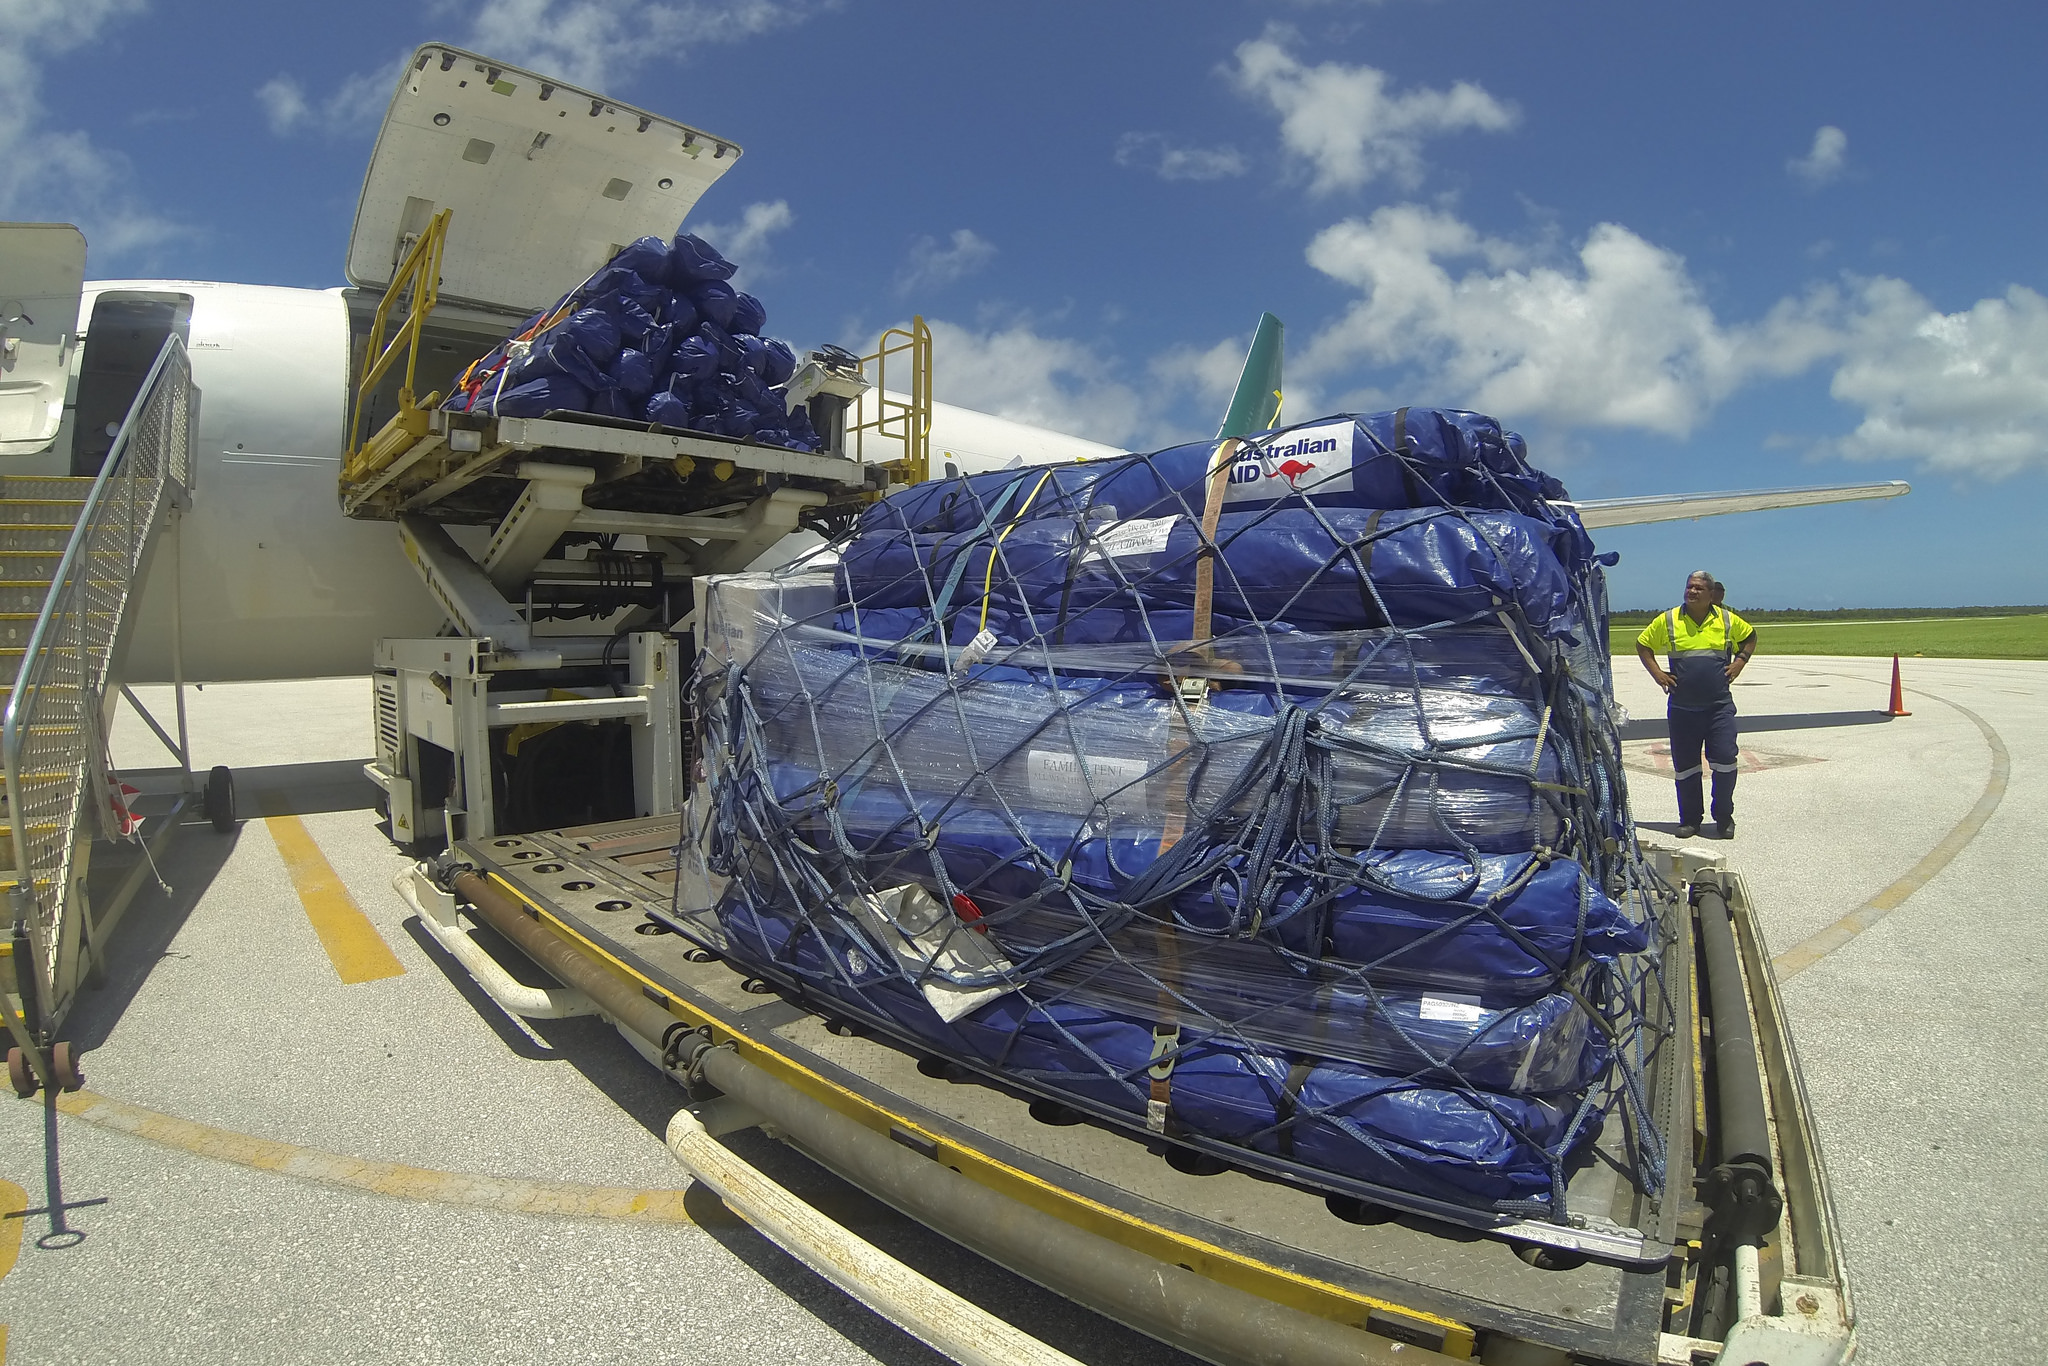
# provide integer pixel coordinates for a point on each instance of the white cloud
(1346, 124)
(1962, 392)
(1622, 340)
(932, 266)
(1169, 161)
(1827, 159)
(357, 104)
(1208, 374)
(284, 104)
(592, 42)
(61, 174)
(1017, 373)
(1619, 335)
(746, 243)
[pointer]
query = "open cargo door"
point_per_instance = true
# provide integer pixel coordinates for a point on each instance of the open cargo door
(547, 181)
(42, 274)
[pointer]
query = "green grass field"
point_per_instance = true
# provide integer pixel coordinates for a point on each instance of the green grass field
(1982, 637)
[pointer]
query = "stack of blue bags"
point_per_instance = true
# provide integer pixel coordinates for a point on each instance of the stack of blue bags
(1302, 840)
(658, 335)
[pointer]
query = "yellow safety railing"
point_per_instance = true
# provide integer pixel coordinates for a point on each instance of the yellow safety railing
(902, 416)
(418, 278)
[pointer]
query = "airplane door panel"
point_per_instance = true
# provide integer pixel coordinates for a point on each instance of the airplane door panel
(42, 274)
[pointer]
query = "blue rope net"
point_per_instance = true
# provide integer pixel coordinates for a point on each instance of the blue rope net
(1265, 797)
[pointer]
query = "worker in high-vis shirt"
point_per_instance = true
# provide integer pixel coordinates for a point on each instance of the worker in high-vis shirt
(1706, 647)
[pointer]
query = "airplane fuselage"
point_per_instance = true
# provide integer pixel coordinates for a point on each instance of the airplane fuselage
(273, 580)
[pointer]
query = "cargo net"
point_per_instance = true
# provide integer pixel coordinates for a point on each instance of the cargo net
(1263, 795)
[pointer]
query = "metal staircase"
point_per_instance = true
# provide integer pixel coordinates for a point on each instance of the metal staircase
(72, 553)
(37, 519)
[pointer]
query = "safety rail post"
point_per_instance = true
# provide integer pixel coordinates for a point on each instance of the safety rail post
(419, 277)
(49, 732)
(907, 423)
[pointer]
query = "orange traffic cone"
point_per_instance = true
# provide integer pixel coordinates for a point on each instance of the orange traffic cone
(1898, 706)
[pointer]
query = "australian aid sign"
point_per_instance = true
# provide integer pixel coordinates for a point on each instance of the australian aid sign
(1314, 460)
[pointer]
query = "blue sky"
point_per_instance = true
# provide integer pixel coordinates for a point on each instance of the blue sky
(1679, 250)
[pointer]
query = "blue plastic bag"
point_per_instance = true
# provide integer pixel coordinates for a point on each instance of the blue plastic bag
(716, 301)
(542, 394)
(633, 374)
(748, 316)
(691, 260)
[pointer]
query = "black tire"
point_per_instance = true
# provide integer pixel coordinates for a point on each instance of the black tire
(220, 798)
(64, 1066)
(20, 1075)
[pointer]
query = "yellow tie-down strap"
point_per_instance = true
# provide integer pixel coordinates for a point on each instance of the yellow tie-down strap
(1308, 1294)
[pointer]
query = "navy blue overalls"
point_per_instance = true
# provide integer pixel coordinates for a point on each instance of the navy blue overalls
(1702, 714)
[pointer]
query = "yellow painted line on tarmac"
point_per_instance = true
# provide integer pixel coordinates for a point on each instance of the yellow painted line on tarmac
(504, 1194)
(1812, 949)
(13, 1201)
(353, 945)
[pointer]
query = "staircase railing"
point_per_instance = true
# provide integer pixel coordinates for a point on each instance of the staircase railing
(50, 736)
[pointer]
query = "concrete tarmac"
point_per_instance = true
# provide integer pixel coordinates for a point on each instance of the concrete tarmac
(222, 1008)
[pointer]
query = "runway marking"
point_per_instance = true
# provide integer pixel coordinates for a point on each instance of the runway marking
(353, 945)
(504, 1194)
(1815, 947)
(1654, 756)
(13, 1204)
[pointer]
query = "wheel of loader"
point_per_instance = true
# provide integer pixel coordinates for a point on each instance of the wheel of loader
(220, 798)
(20, 1074)
(64, 1066)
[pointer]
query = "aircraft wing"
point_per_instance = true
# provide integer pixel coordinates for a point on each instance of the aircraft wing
(1682, 507)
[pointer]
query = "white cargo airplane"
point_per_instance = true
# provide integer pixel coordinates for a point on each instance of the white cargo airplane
(546, 182)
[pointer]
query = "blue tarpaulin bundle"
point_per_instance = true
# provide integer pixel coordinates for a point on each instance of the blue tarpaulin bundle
(1315, 568)
(657, 335)
(1271, 804)
(1411, 457)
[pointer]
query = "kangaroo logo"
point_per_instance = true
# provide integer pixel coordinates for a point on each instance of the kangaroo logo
(1316, 457)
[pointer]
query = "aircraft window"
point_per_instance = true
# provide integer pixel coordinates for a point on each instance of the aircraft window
(121, 342)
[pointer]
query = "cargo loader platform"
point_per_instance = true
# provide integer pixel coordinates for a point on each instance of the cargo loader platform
(462, 467)
(588, 519)
(1215, 1260)
(562, 496)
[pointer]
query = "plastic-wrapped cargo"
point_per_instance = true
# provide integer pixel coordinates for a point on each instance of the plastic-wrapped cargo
(1259, 795)
(656, 334)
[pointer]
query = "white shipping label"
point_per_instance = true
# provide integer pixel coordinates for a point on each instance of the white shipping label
(1055, 774)
(1456, 1009)
(1312, 460)
(1137, 536)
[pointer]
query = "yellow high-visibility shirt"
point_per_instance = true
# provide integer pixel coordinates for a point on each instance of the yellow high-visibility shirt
(1711, 634)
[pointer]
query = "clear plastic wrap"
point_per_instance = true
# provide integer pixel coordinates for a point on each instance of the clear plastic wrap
(1305, 836)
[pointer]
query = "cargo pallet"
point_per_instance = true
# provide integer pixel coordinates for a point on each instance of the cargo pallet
(1218, 1262)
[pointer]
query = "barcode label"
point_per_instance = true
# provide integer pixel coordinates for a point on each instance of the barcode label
(1456, 1009)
